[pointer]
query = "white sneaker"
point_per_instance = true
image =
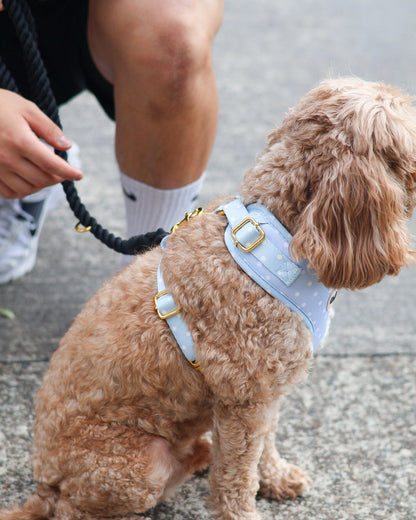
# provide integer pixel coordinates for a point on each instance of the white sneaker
(21, 222)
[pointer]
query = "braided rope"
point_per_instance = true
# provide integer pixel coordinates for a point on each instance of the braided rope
(6, 79)
(42, 94)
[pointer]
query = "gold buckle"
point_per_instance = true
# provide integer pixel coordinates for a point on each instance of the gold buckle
(168, 314)
(242, 224)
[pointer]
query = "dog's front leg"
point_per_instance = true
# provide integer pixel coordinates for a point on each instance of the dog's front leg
(238, 439)
(279, 479)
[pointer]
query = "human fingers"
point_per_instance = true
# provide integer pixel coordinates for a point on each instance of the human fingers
(12, 186)
(44, 159)
(45, 128)
(16, 110)
(26, 179)
(22, 177)
(22, 125)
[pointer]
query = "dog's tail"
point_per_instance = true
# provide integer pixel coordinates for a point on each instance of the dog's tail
(39, 506)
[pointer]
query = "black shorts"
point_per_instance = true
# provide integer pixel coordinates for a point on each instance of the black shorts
(62, 36)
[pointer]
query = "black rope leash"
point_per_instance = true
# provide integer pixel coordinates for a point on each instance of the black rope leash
(41, 93)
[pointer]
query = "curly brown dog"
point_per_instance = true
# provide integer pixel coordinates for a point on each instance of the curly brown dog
(121, 414)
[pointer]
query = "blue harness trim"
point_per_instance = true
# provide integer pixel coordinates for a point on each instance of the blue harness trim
(260, 245)
(168, 310)
(270, 264)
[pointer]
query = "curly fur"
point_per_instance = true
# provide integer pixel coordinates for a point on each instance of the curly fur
(121, 415)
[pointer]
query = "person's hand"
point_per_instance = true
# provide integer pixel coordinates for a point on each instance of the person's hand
(1, 6)
(26, 163)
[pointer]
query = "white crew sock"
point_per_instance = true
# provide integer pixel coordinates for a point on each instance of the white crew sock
(149, 208)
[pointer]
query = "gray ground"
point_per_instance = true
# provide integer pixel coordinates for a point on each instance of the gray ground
(353, 424)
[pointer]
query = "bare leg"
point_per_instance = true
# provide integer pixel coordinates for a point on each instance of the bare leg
(157, 54)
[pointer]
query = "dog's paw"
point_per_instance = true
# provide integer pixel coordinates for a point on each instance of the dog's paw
(286, 481)
(199, 459)
(202, 457)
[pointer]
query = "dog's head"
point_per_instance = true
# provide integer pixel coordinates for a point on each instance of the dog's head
(340, 174)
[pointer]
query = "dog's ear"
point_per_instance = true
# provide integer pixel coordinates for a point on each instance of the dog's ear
(358, 142)
(340, 174)
(353, 230)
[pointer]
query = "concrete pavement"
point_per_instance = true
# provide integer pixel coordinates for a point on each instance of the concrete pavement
(352, 425)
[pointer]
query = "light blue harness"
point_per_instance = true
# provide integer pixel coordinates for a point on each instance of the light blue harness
(260, 245)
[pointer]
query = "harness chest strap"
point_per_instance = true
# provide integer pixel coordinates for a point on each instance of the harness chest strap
(260, 245)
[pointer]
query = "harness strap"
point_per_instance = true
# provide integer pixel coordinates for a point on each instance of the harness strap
(168, 310)
(247, 229)
(272, 267)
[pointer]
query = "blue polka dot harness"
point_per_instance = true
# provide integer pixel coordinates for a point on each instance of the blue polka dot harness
(260, 245)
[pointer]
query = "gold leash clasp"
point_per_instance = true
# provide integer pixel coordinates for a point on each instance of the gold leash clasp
(188, 217)
(81, 229)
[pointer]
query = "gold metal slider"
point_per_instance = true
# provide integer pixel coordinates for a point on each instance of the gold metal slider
(166, 315)
(235, 230)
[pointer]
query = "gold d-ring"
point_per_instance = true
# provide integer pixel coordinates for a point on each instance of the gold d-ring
(81, 229)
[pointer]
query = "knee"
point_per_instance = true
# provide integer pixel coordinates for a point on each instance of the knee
(159, 46)
(172, 57)
(171, 44)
